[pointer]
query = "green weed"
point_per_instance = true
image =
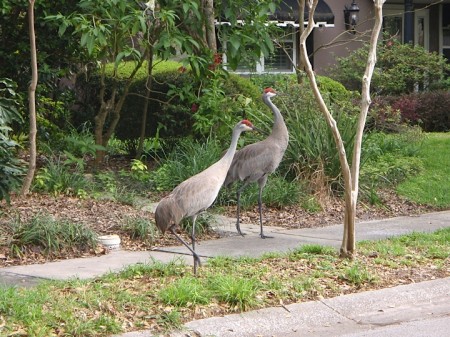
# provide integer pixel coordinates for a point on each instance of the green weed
(57, 177)
(358, 275)
(139, 228)
(184, 292)
(236, 291)
(51, 235)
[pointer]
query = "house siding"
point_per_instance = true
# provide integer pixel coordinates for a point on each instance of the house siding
(342, 42)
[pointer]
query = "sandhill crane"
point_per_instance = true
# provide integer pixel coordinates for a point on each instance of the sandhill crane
(254, 162)
(197, 193)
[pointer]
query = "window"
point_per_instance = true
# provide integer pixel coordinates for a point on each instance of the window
(281, 60)
(393, 22)
(446, 31)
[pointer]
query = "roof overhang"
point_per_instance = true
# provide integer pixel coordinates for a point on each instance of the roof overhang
(287, 14)
(287, 11)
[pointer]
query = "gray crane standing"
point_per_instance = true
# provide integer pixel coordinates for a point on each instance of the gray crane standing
(197, 193)
(254, 162)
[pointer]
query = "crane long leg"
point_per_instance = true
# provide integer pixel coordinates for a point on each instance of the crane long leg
(238, 199)
(194, 254)
(261, 183)
(194, 218)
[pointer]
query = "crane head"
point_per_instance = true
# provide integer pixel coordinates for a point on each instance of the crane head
(248, 126)
(245, 125)
(270, 92)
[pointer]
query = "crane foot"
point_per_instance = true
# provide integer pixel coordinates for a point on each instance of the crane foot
(265, 236)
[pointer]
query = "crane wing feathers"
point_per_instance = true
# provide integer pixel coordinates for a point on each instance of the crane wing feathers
(254, 161)
(197, 193)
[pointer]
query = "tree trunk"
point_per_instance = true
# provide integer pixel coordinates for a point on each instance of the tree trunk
(100, 118)
(210, 28)
(301, 14)
(31, 102)
(350, 176)
(148, 86)
(348, 243)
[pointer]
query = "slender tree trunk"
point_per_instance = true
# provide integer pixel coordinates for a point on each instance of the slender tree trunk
(300, 67)
(348, 242)
(101, 116)
(148, 86)
(350, 175)
(31, 102)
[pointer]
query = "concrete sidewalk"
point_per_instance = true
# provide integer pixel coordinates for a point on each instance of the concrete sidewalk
(353, 313)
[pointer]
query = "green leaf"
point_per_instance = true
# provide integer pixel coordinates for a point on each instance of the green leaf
(84, 38)
(235, 41)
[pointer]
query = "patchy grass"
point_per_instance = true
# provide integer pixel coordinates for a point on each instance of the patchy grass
(162, 297)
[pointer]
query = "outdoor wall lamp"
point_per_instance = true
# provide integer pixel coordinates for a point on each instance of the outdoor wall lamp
(351, 16)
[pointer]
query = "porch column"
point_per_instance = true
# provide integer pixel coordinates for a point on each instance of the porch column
(409, 22)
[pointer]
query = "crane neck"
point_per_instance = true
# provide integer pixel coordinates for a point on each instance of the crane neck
(279, 127)
(228, 156)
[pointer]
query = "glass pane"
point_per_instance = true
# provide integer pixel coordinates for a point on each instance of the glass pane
(281, 58)
(393, 26)
(446, 24)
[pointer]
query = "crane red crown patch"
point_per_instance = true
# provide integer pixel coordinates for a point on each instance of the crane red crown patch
(269, 90)
(247, 122)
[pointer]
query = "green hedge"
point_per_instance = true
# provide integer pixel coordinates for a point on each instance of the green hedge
(176, 117)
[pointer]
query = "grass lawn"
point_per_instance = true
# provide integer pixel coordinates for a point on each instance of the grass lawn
(433, 185)
(162, 297)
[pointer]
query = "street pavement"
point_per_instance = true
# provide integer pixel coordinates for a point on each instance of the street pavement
(421, 309)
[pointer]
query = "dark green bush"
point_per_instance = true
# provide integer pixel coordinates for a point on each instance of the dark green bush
(180, 106)
(11, 167)
(400, 68)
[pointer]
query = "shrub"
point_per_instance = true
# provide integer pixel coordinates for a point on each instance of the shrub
(58, 177)
(179, 107)
(11, 168)
(401, 68)
(428, 109)
(407, 105)
(433, 110)
(382, 116)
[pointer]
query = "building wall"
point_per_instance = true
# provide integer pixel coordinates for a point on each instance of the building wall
(330, 43)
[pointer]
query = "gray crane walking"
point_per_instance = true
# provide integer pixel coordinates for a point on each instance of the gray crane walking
(254, 162)
(197, 193)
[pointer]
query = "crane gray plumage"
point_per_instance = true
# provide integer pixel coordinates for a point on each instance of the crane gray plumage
(254, 162)
(197, 193)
